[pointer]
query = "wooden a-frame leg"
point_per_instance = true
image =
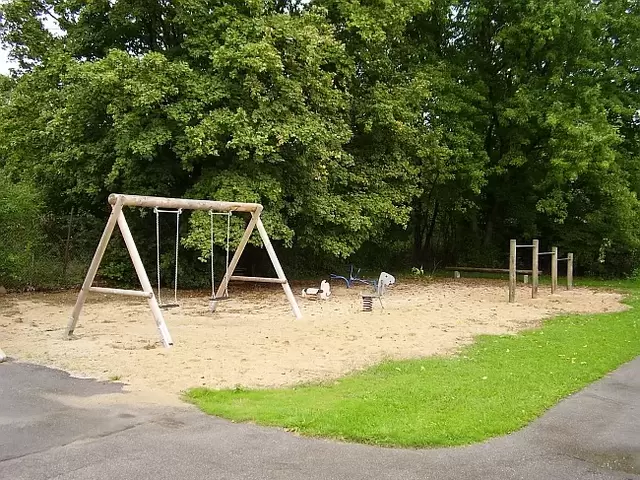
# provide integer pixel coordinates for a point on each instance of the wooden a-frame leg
(118, 217)
(144, 281)
(279, 271)
(93, 268)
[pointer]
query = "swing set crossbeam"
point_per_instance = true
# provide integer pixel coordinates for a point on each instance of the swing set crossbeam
(183, 203)
(118, 201)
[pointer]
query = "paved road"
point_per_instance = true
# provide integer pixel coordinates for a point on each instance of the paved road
(593, 435)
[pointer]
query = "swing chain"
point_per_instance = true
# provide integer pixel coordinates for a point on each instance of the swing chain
(177, 212)
(157, 212)
(226, 269)
(175, 276)
(213, 278)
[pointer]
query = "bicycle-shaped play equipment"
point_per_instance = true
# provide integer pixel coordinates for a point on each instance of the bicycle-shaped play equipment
(353, 278)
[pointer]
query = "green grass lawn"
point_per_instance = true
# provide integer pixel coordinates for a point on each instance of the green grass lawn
(493, 387)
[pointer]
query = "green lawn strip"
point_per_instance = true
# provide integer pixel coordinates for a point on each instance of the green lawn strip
(495, 386)
(625, 285)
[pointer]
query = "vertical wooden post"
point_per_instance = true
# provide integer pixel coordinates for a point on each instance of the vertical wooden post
(534, 268)
(569, 271)
(93, 268)
(279, 271)
(512, 270)
(144, 280)
(554, 269)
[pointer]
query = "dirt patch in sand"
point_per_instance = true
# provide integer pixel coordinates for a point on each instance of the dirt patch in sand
(254, 341)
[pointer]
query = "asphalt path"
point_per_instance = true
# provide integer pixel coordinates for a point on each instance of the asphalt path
(594, 434)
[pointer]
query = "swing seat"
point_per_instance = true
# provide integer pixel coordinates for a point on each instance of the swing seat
(169, 305)
(177, 213)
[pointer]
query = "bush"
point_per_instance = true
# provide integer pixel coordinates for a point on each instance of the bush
(21, 234)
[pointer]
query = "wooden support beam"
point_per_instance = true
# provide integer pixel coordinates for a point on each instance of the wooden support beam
(120, 291)
(554, 269)
(278, 268)
(240, 278)
(512, 270)
(116, 209)
(489, 270)
(144, 280)
(184, 203)
(570, 271)
(534, 267)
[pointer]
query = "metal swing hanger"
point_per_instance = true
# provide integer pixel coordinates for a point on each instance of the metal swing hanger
(160, 210)
(177, 212)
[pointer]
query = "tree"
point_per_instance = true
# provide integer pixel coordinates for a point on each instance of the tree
(439, 129)
(244, 104)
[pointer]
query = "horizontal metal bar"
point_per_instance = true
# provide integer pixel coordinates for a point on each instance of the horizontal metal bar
(545, 253)
(224, 214)
(120, 291)
(563, 259)
(240, 278)
(184, 203)
(524, 246)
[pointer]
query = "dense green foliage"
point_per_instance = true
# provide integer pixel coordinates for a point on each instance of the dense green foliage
(20, 233)
(493, 387)
(414, 131)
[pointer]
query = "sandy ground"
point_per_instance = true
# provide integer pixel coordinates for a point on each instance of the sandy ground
(254, 341)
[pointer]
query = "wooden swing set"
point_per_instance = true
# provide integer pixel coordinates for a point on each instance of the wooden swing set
(160, 204)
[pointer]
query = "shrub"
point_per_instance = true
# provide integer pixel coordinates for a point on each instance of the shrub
(21, 233)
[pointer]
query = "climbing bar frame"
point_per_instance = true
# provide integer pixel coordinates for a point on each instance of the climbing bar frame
(513, 252)
(536, 253)
(118, 201)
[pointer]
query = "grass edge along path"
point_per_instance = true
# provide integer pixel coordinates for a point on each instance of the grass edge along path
(494, 386)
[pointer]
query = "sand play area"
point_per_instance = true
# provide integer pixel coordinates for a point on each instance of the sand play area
(252, 340)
